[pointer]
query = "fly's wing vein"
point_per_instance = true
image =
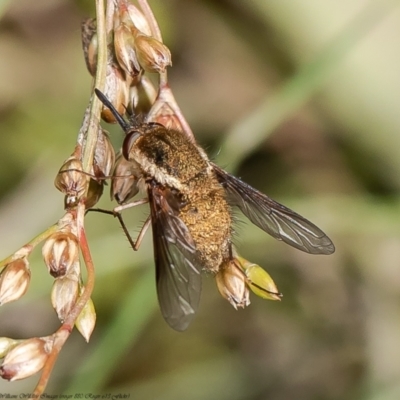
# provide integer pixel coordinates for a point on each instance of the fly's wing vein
(177, 265)
(274, 218)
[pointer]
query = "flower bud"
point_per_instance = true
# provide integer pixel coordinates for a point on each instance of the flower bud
(116, 90)
(6, 344)
(86, 320)
(141, 97)
(152, 55)
(138, 19)
(71, 181)
(260, 282)
(124, 48)
(104, 155)
(231, 283)
(60, 251)
(163, 114)
(64, 295)
(94, 193)
(123, 189)
(90, 44)
(26, 359)
(14, 280)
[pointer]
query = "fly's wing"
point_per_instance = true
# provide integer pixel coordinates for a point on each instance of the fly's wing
(177, 266)
(274, 218)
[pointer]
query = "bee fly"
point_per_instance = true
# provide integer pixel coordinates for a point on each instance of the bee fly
(190, 202)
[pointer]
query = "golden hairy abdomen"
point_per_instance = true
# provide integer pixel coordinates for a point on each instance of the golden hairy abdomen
(207, 216)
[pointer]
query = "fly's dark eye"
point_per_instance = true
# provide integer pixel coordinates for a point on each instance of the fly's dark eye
(129, 142)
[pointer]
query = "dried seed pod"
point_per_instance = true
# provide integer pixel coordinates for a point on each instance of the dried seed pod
(260, 282)
(116, 90)
(26, 358)
(71, 181)
(103, 162)
(86, 320)
(6, 344)
(138, 19)
(64, 295)
(94, 193)
(14, 280)
(152, 55)
(90, 44)
(141, 97)
(104, 155)
(60, 252)
(124, 48)
(231, 283)
(163, 114)
(123, 189)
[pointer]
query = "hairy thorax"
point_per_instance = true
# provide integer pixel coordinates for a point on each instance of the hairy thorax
(175, 162)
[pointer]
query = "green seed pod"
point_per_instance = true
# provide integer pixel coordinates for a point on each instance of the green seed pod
(86, 320)
(259, 281)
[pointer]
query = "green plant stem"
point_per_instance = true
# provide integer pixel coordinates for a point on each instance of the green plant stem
(28, 247)
(99, 82)
(155, 29)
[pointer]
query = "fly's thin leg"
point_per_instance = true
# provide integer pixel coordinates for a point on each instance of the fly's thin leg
(139, 239)
(130, 205)
(135, 244)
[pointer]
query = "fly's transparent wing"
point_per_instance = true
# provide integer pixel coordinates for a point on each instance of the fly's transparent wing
(177, 266)
(274, 218)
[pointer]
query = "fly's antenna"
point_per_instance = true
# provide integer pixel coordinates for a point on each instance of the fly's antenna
(124, 125)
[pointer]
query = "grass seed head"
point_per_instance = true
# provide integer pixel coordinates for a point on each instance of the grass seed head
(26, 359)
(60, 252)
(231, 283)
(14, 280)
(64, 295)
(86, 320)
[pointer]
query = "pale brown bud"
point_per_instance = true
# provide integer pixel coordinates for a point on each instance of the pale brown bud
(123, 189)
(138, 19)
(60, 251)
(64, 295)
(90, 44)
(6, 344)
(26, 358)
(259, 281)
(163, 114)
(86, 321)
(104, 155)
(124, 47)
(14, 280)
(231, 284)
(71, 181)
(94, 193)
(152, 55)
(103, 162)
(116, 90)
(141, 97)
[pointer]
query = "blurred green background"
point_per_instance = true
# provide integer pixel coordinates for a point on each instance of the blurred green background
(301, 98)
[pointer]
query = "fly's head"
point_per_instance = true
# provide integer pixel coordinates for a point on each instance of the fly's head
(165, 155)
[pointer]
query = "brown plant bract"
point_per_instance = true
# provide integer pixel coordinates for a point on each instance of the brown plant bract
(26, 358)
(14, 280)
